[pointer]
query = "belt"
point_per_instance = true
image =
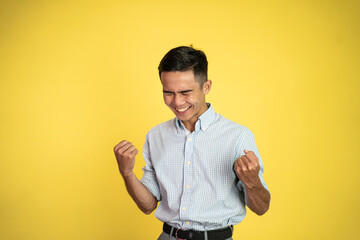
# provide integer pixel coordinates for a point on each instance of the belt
(219, 234)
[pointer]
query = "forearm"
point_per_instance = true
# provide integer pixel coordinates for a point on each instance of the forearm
(125, 153)
(257, 198)
(140, 194)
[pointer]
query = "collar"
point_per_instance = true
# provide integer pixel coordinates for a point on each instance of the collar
(202, 123)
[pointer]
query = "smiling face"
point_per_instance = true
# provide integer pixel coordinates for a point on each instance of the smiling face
(184, 96)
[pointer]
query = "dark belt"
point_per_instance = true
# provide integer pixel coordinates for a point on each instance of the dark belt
(219, 234)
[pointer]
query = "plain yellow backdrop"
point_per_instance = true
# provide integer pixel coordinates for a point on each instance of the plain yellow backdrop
(77, 77)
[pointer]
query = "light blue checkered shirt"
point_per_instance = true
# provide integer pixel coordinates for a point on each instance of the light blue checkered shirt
(192, 175)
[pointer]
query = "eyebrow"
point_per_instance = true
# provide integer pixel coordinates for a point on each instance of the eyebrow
(182, 92)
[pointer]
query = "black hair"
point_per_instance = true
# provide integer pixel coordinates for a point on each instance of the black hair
(184, 59)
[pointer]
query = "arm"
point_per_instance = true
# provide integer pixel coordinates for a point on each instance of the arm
(247, 170)
(125, 154)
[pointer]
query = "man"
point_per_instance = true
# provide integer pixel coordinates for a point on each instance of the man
(201, 167)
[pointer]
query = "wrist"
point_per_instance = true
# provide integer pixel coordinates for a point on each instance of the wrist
(253, 185)
(128, 174)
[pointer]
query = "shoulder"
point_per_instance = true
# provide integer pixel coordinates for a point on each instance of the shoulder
(230, 126)
(162, 127)
(239, 135)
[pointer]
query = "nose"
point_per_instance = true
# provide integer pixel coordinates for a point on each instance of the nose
(178, 100)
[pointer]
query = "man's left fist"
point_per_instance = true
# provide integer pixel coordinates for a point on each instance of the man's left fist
(247, 169)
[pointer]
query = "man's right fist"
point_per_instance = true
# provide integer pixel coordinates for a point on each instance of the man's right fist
(125, 154)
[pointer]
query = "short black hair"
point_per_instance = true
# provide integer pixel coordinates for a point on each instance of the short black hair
(184, 59)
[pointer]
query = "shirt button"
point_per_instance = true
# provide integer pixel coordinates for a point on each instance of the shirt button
(187, 186)
(184, 209)
(189, 139)
(188, 162)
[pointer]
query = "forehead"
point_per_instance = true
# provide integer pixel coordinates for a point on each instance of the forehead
(179, 81)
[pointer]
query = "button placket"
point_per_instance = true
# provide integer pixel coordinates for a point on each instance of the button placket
(188, 169)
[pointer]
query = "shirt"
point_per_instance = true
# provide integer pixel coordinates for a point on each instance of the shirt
(192, 175)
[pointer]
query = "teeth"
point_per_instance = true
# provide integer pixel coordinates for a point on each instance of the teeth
(182, 109)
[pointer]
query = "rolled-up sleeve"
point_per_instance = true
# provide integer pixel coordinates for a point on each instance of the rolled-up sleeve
(247, 142)
(149, 178)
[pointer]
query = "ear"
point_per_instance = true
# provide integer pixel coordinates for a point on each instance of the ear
(206, 87)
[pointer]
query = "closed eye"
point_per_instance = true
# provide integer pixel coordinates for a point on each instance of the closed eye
(187, 92)
(167, 92)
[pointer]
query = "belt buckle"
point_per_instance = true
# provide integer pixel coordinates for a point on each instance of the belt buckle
(177, 233)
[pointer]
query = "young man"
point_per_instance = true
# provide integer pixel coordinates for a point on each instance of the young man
(201, 167)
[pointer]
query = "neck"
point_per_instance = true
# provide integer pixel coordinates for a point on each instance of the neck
(190, 125)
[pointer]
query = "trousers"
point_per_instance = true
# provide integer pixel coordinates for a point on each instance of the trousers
(165, 236)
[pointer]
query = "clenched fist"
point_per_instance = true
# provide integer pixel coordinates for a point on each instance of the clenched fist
(247, 169)
(125, 154)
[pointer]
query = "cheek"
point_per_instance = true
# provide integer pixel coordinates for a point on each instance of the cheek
(167, 100)
(192, 99)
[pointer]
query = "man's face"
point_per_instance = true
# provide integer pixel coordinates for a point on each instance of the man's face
(184, 96)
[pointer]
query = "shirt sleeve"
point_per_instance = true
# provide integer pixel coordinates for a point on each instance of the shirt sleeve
(247, 142)
(149, 178)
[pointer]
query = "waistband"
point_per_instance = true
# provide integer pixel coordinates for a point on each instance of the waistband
(188, 234)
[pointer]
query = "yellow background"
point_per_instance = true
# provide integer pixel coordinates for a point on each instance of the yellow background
(77, 77)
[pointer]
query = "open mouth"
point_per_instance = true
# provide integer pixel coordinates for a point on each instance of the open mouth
(182, 110)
